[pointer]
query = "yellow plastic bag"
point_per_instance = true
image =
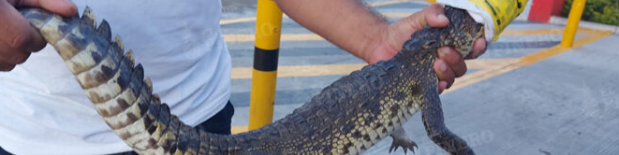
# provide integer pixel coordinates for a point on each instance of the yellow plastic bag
(494, 14)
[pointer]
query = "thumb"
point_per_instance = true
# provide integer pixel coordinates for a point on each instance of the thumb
(433, 16)
(62, 7)
(401, 30)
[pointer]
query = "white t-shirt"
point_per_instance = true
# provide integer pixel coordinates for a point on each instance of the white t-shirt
(43, 110)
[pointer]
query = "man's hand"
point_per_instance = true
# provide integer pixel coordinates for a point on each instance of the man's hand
(450, 63)
(17, 38)
(353, 27)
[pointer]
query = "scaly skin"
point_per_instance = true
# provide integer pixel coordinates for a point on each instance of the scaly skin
(348, 117)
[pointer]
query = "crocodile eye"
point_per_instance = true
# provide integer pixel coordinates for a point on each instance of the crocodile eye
(430, 44)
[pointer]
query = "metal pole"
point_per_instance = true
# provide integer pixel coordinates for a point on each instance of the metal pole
(578, 7)
(268, 31)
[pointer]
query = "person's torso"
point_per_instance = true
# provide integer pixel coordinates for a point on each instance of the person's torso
(44, 110)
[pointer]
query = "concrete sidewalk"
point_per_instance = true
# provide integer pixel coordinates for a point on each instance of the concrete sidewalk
(526, 95)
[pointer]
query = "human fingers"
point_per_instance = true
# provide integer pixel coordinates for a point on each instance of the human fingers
(479, 48)
(17, 34)
(62, 7)
(442, 85)
(435, 16)
(14, 57)
(443, 72)
(432, 15)
(453, 59)
(6, 66)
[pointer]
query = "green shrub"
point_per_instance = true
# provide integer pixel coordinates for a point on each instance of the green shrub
(601, 11)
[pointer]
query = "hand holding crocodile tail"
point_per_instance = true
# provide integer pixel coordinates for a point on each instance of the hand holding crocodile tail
(17, 39)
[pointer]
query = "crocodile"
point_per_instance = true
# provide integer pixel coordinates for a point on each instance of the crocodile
(347, 117)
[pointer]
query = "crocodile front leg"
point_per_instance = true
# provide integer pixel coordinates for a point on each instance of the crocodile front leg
(432, 116)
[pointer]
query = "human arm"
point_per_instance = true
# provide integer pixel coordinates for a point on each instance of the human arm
(356, 28)
(17, 38)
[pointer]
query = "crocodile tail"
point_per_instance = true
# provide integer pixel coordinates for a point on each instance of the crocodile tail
(116, 87)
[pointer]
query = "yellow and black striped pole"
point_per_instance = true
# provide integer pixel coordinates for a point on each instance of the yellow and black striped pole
(264, 77)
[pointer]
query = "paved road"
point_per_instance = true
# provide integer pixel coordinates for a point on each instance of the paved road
(525, 96)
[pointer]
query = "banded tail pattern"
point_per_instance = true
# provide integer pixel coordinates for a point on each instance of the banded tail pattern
(115, 86)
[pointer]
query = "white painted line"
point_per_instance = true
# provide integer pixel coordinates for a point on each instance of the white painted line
(585, 24)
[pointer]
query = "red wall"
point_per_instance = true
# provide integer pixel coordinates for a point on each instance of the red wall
(558, 7)
(541, 10)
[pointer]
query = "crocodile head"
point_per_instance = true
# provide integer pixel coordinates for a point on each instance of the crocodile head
(461, 33)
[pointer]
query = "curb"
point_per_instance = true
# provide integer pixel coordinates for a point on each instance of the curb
(586, 24)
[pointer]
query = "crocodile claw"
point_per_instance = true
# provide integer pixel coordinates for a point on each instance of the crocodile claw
(406, 145)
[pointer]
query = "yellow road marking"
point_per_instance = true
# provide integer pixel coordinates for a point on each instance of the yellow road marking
(344, 69)
(543, 31)
(238, 129)
(536, 57)
(249, 19)
(488, 63)
(284, 37)
(481, 75)
(300, 71)
(315, 37)
(237, 20)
